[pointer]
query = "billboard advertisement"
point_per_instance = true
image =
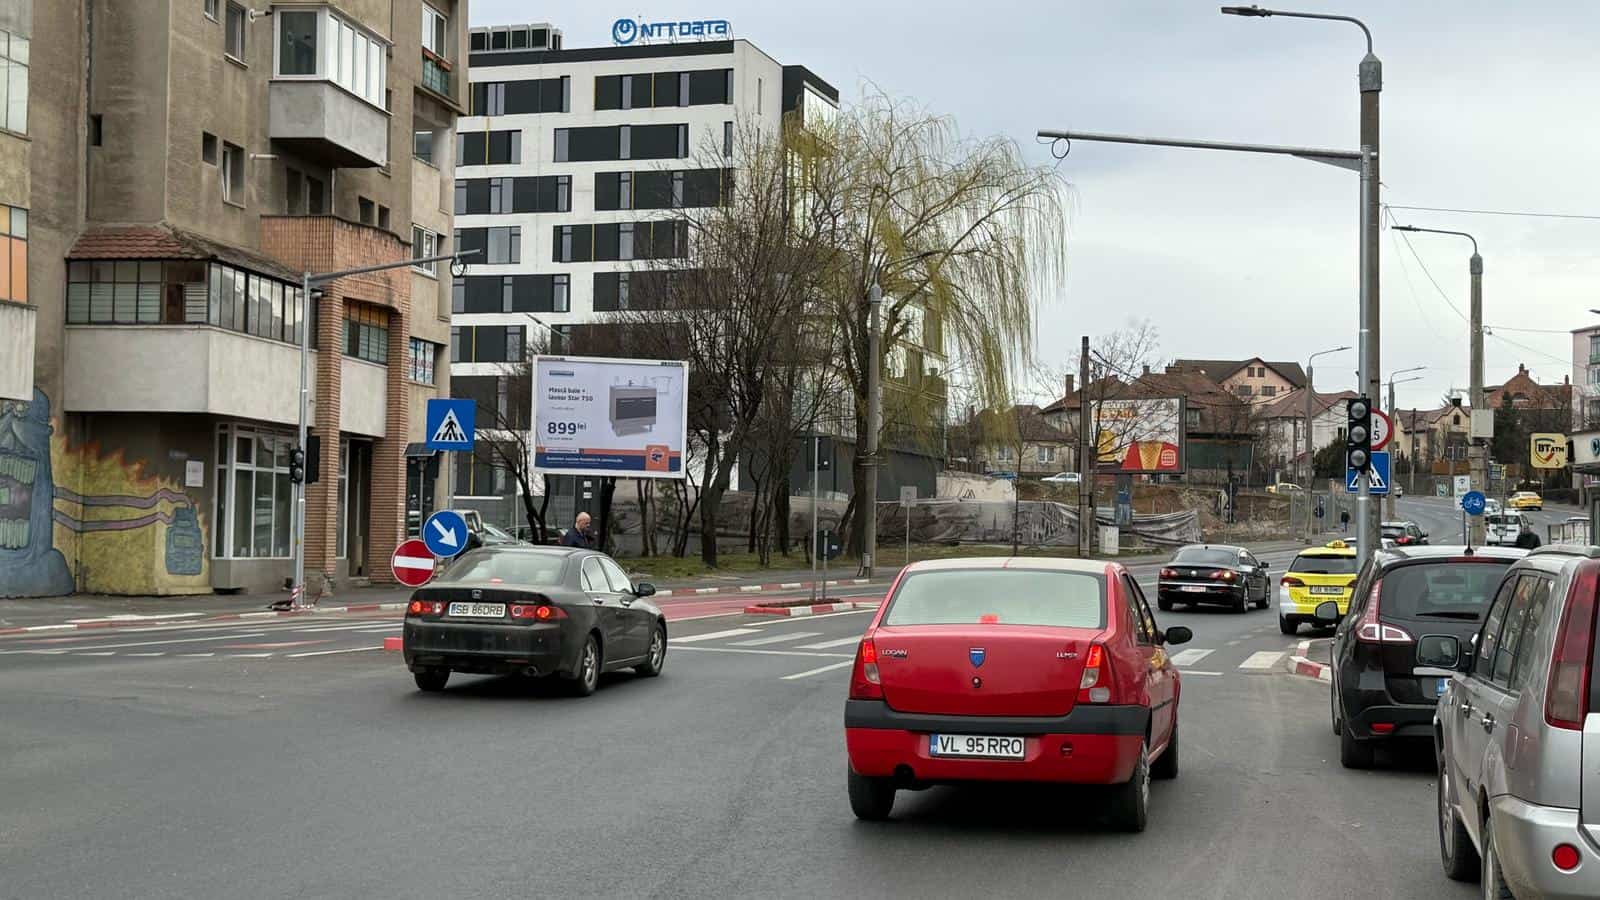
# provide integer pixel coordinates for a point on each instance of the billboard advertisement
(1140, 437)
(595, 416)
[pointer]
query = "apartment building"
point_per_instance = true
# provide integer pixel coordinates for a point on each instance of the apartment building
(572, 168)
(175, 168)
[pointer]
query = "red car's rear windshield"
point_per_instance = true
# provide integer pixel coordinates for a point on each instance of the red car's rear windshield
(1441, 590)
(999, 597)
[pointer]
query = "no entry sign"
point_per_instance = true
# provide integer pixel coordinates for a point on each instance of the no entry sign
(412, 563)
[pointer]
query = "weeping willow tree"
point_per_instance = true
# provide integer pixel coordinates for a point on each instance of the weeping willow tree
(962, 235)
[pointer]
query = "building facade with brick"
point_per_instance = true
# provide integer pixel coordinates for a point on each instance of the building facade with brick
(181, 164)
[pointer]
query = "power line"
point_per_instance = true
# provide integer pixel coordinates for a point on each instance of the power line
(1500, 212)
(1506, 340)
(1531, 330)
(1412, 290)
(1424, 266)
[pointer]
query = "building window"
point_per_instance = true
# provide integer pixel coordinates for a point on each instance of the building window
(658, 239)
(320, 44)
(424, 355)
(727, 140)
(1594, 348)
(211, 10)
(495, 246)
(14, 53)
(529, 194)
(511, 98)
(422, 146)
(435, 32)
(366, 332)
(232, 174)
(1004, 454)
(316, 198)
(424, 244)
(383, 217)
(208, 148)
(1191, 418)
(1046, 454)
(487, 344)
(254, 495)
(182, 292)
(365, 210)
(1268, 390)
(233, 31)
(489, 148)
(1594, 374)
(13, 254)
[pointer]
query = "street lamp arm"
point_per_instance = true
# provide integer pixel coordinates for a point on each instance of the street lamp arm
(1313, 153)
(1441, 231)
(325, 277)
(1258, 12)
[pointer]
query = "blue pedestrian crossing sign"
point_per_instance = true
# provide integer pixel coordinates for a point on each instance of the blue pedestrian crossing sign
(445, 533)
(1473, 502)
(450, 423)
(1377, 476)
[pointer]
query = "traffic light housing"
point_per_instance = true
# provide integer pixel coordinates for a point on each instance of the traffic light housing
(313, 458)
(297, 465)
(1358, 434)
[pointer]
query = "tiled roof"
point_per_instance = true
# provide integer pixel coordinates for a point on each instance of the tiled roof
(166, 242)
(1220, 369)
(1293, 404)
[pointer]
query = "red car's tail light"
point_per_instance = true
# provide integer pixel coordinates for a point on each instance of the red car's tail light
(1566, 697)
(865, 683)
(1094, 686)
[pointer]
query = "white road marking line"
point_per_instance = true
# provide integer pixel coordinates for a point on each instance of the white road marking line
(146, 655)
(712, 635)
(98, 653)
(776, 639)
(361, 627)
(196, 655)
(249, 655)
(849, 656)
(215, 637)
(1189, 657)
(1262, 659)
(1232, 643)
(326, 652)
(1200, 672)
(819, 670)
(828, 645)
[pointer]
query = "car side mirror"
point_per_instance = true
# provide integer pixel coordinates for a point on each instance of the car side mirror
(1424, 534)
(1441, 651)
(1178, 634)
(1327, 612)
(1265, 567)
(644, 589)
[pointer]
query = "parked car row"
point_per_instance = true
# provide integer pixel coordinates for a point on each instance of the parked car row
(1489, 655)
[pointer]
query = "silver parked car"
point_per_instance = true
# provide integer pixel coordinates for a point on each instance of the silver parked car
(1519, 798)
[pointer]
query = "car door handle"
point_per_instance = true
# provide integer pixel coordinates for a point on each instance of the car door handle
(1466, 708)
(1487, 722)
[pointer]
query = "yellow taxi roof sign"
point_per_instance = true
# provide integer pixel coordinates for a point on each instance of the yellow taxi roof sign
(1337, 545)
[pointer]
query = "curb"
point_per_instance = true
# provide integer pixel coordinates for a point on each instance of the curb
(755, 588)
(1298, 664)
(187, 620)
(810, 610)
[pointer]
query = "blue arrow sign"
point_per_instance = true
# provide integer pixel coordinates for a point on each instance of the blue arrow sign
(1377, 476)
(450, 423)
(1473, 502)
(445, 533)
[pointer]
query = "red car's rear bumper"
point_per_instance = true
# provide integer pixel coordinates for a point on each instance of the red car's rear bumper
(1094, 745)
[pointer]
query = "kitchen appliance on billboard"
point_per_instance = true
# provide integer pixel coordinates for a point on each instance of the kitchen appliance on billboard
(599, 416)
(1140, 437)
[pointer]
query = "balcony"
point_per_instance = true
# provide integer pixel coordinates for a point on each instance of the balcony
(324, 122)
(436, 74)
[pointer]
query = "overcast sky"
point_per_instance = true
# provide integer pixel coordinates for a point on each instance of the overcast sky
(1485, 106)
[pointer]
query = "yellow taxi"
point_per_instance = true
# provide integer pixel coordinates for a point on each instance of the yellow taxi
(1317, 575)
(1525, 500)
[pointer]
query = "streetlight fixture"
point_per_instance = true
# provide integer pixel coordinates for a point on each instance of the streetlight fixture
(1311, 393)
(1369, 76)
(308, 280)
(1478, 467)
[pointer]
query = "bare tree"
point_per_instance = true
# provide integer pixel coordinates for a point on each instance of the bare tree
(504, 402)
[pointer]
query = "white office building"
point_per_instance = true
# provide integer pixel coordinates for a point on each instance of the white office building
(568, 166)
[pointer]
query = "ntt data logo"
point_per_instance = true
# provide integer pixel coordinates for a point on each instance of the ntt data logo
(628, 31)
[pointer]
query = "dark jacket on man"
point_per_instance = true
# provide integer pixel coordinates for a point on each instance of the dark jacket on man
(576, 538)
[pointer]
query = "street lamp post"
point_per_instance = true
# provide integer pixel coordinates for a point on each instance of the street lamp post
(1310, 444)
(309, 280)
(869, 492)
(1370, 80)
(1478, 453)
(1394, 418)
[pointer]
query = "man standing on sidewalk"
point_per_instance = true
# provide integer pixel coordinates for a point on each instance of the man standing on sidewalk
(579, 534)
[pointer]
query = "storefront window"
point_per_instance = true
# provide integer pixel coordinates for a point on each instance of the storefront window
(255, 499)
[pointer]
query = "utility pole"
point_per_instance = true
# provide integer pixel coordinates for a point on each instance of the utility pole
(1394, 417)
(869, 491)
(1086, 464)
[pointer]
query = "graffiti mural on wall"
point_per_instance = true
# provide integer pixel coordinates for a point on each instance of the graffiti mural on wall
(66, 509)
(30, 564)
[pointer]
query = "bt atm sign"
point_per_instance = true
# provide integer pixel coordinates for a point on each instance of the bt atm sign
(1548, 451)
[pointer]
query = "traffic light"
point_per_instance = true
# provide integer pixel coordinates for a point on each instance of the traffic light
(313, 458)
(1358, 434)
(297, 465)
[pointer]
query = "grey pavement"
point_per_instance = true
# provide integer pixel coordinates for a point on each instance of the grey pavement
(331, 776)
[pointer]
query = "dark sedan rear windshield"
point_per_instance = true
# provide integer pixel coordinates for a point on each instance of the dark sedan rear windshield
(1200, 556)
(1440, 590)
(999, 597)
(1323, 565)
(506, 567)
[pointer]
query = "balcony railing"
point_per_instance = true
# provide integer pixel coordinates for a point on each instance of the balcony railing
(435, 75)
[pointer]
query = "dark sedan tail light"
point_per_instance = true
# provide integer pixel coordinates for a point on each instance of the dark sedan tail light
(1223, 575)
(538, 612)
(424, 608)
(1372, 631)
(1169, 573)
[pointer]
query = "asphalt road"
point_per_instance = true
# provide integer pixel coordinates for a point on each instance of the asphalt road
(298, 775)
(1441, 517)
